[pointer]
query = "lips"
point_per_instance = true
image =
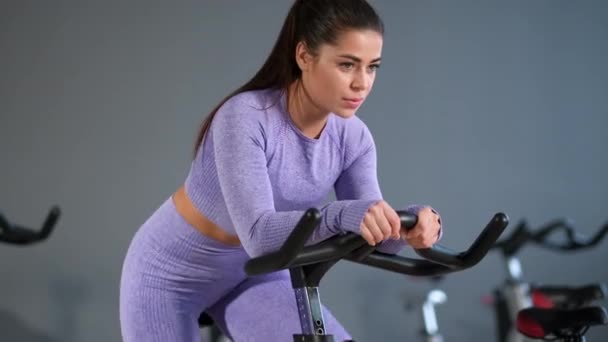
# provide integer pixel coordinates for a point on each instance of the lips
(352, 103)
(354, 100)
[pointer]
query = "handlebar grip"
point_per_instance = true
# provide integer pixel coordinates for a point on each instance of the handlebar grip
(438, 259)
(49, 223)
(408, 220)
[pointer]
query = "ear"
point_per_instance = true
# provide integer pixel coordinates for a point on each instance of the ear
(303, 57)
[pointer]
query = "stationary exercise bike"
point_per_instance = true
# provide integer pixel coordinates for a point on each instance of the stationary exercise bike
(19, 235)
(552, 306)
(307, 265)
(524, 310)
(426, 308)
(567, 325)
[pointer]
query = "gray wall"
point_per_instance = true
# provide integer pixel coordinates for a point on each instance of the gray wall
(480, 107)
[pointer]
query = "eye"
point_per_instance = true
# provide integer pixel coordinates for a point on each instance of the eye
(374, 67)
(347, 65)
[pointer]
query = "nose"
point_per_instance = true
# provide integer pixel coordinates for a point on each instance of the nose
(361, 81)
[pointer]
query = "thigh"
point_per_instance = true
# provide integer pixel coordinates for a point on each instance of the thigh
(156, 315)
(170, 274)
(264, 308)
(161, 306)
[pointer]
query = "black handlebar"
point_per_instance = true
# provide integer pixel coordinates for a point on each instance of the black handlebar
(352, 247)
(573, 241)
(19, 235)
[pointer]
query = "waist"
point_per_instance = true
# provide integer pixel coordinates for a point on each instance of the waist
(196, 219)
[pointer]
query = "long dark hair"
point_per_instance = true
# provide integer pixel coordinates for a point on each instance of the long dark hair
(313, 22)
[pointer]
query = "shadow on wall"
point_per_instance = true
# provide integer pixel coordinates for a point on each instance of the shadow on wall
(13, 328)
(69, 294)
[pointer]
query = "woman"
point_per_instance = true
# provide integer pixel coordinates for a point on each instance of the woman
(272, 149)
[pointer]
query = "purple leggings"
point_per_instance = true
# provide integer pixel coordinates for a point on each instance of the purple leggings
(172, 273)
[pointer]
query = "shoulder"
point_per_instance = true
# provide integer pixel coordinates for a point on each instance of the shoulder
(254, 102)
(253, 109)
(352, 134)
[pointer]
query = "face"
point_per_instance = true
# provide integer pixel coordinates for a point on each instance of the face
(339, 77)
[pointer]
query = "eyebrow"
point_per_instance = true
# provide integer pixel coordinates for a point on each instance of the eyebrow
(357, 59)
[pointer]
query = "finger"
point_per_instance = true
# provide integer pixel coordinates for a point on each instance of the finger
(426, 242)
(372, 226)
(367, 235)
(429, 229)
(437, 232)
(410, 239)
(426, 219)
(416, 232)
(384, 225)
(430, 237)
(394, 221)
(415, 243)
(435, 215)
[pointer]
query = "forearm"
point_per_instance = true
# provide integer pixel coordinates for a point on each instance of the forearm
(271, 229)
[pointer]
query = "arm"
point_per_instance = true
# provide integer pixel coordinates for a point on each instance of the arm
(360, 182)
(239, 151)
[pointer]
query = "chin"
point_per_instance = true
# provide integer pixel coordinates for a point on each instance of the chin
(345, 113)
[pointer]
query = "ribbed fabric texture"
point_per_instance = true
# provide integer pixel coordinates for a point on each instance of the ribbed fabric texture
(172, 273)
(256, 173)
(254, 177)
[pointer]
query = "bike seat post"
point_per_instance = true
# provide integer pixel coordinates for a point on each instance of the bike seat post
(309, 307)
(429, 317)
(514, 269)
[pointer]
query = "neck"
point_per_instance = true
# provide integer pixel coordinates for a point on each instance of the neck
(306, 115)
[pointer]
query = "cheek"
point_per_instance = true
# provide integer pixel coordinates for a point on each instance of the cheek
(328, 86)
(372, 78)
(330, 77)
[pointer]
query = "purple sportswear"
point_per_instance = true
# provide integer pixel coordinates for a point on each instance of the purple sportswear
(254, 176)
